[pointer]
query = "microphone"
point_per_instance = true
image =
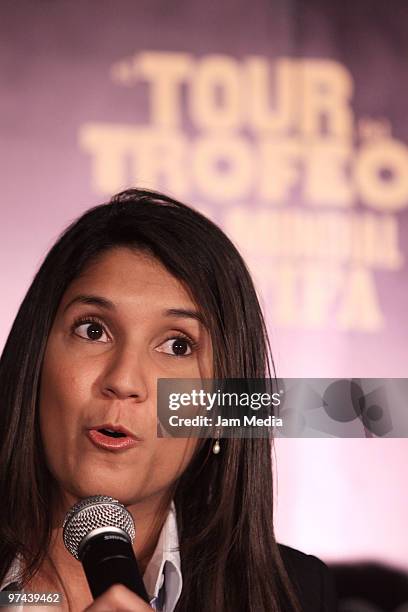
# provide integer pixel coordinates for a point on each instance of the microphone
(99, 531)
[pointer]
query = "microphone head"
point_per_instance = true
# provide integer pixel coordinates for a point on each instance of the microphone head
(91, 513)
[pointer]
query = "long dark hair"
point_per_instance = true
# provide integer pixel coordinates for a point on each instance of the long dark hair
(230, 559)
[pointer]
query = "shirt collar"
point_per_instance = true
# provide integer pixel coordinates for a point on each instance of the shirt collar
(164, 567)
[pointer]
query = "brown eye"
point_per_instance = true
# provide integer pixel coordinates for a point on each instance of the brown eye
(91, 331)
(94, 331)
(179, 347)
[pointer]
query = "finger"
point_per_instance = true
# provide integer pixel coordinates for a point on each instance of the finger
(118, 599)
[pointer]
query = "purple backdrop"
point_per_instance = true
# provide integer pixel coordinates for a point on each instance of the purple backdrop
(284, 122)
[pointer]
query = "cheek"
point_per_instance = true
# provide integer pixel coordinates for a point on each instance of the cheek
(56, 390)
(62, 392)
(65, 381)
(171, 457)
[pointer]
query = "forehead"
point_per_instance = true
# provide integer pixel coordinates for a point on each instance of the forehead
(126, 275)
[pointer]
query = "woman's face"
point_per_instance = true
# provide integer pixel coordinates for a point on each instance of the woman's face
(124, 323)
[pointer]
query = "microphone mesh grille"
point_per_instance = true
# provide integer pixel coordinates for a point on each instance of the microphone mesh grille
(91, 513)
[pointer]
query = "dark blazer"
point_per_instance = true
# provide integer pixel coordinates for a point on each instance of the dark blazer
(312, 580)
(309, 576)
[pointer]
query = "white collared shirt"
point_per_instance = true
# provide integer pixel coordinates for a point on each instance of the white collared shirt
(162, 577)
(164, 568)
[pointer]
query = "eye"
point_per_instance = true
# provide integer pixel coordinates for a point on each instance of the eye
(90, 329)
(178, 346)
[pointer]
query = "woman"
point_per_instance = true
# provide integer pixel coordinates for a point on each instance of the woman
(139, 289)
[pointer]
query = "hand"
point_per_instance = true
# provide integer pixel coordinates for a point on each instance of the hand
(118, 599)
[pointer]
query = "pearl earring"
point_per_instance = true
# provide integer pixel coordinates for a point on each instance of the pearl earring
(216, 448)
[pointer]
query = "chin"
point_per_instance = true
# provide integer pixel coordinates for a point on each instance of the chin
(74, 492)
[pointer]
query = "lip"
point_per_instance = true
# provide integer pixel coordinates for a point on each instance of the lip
(112, 444)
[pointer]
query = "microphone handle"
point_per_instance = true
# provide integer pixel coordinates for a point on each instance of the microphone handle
(108, 559)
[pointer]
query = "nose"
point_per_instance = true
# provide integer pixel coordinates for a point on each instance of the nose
(124, 377)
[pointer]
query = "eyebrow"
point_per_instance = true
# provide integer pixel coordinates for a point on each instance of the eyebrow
(94, 300)
(185, 313)
(97, 300)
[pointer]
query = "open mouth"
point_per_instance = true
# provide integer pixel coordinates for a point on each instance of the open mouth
(112, 438)
(112, 434)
